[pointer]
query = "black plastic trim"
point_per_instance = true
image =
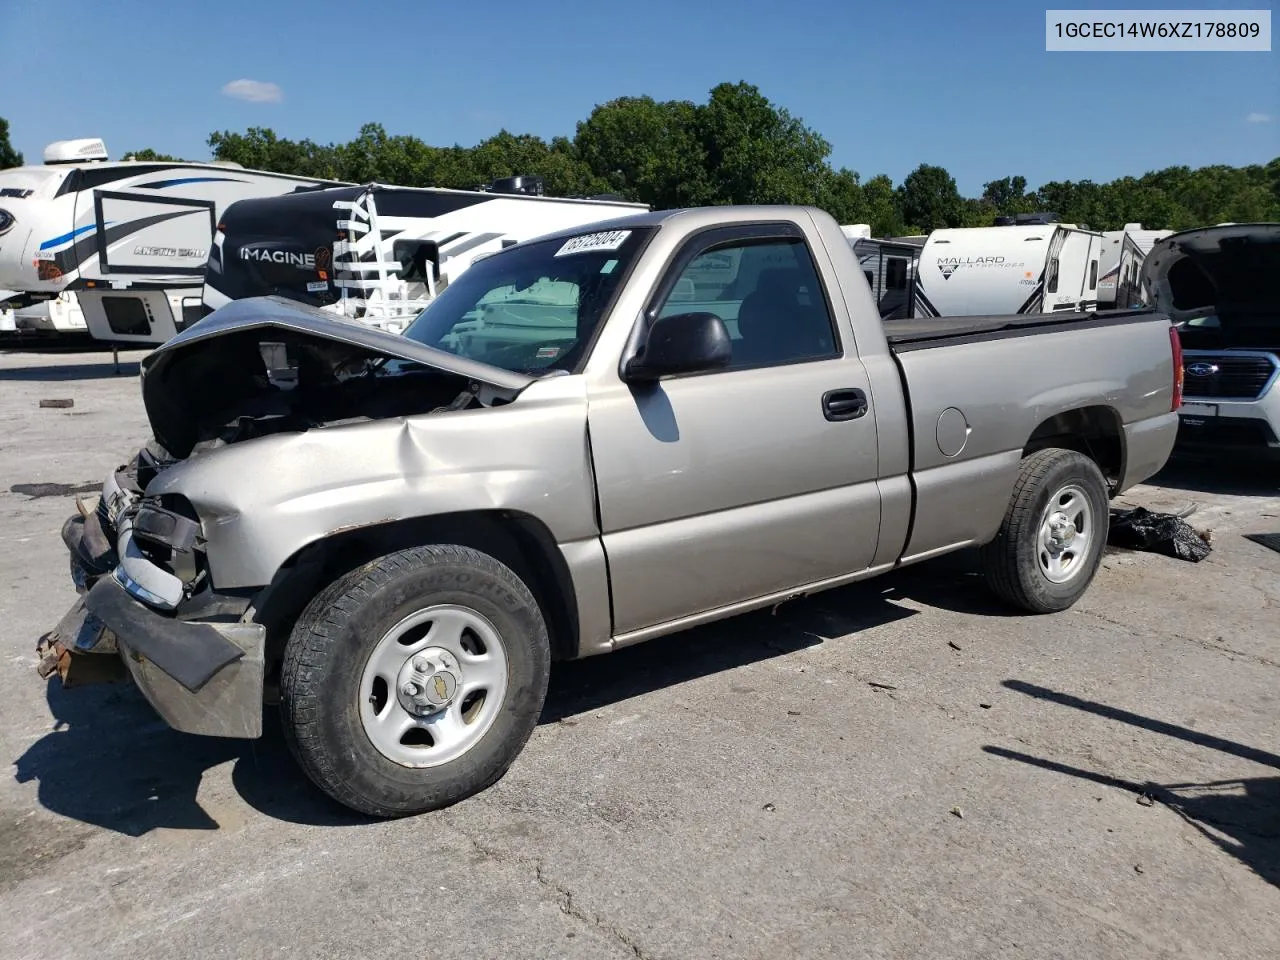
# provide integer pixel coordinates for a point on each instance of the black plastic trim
(190, 653)
(1030, 326)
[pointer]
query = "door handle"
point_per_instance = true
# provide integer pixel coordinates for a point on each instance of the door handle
(846, 404)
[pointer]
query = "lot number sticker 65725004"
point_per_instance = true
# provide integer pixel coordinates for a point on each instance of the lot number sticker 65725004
(591, 242)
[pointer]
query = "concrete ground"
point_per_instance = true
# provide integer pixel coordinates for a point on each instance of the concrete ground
(897, 769)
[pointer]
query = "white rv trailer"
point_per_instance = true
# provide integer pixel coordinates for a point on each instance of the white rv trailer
(61, 315)
(130, 239)
(379, 253)
(7, 323)
(1132, 244)
(889, 265)
(1038, 268)
(23, 312)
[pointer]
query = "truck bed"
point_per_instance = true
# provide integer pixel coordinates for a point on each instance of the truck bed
(923, 332)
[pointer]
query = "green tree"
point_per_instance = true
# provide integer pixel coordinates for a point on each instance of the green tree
(882, 208)
(259, 148)
(152, 155)
(1007, 196)
(928, 198)
(647, 151)
(842, 196)
(758, 153)
(738, 147)
(9, 157)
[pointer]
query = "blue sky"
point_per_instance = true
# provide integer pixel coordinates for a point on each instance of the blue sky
(968, 86)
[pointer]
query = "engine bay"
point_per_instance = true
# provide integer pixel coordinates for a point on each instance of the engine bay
(262, 381)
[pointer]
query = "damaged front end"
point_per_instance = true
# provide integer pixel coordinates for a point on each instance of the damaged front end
(147, 610)
(272, 425)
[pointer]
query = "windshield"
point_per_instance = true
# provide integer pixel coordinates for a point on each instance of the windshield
(531, 309)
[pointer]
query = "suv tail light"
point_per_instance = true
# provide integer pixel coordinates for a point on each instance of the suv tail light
(1175, 344)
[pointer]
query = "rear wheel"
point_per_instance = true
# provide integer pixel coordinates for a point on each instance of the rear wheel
(1055, 528)
(414, 681)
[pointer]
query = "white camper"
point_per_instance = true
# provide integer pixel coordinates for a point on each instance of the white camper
(1120, 263)
(25, 312)
(61, 315)
(1038, 268)
(130, 239)
(378, 253)
(889, 265)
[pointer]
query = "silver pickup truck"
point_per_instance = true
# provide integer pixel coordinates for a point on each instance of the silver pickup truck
(588, 440)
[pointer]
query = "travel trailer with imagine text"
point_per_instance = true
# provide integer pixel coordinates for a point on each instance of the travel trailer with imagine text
(379, 253)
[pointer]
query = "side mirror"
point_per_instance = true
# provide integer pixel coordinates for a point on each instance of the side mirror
(681, 343)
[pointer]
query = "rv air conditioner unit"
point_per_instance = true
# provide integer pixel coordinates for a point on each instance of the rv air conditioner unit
(75, 151)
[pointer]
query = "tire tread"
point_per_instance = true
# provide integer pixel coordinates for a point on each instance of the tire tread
(311, 648)
(1008, 557)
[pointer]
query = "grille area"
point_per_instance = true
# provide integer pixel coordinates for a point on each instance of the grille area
(1227, 377)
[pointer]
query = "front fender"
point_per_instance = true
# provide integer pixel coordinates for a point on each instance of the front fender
(263, 500)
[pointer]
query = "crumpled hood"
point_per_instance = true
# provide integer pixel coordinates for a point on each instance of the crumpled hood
(1231, 270)
(215, 369)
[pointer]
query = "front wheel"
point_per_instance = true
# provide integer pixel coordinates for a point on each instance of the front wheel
(414, 681)
(1050, 543)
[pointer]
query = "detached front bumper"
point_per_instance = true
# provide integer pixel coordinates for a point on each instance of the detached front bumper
(201, 676)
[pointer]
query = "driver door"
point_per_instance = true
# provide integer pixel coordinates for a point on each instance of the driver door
(730, 485)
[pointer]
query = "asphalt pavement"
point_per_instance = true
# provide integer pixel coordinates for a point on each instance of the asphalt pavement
(900, 768)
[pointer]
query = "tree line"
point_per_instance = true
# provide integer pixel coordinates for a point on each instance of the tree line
(738, 147)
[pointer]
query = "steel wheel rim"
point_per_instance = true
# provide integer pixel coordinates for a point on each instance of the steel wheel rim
(456, 664)
(1066, 534)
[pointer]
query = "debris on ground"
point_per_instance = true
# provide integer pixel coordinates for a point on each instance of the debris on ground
(985, 706)
(793, 713)
(881, 686)
(56, 404)
(1137, 868)
(953, 645)
(1164, 533)
(1146, 800)
(37, 490)
(768, 808)
(957, 812)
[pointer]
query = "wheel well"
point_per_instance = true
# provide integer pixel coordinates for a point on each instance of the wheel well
(520, 541)
(1093, 431)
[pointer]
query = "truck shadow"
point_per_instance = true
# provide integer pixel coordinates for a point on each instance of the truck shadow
(111, 762)
(63, 372)
(1231, 477)
(1237, 816)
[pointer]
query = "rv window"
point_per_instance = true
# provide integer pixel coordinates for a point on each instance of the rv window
(414, 257)
(1093, 274)
(871, 278)
(895, 274)
(1052, 285)
(87, 178)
